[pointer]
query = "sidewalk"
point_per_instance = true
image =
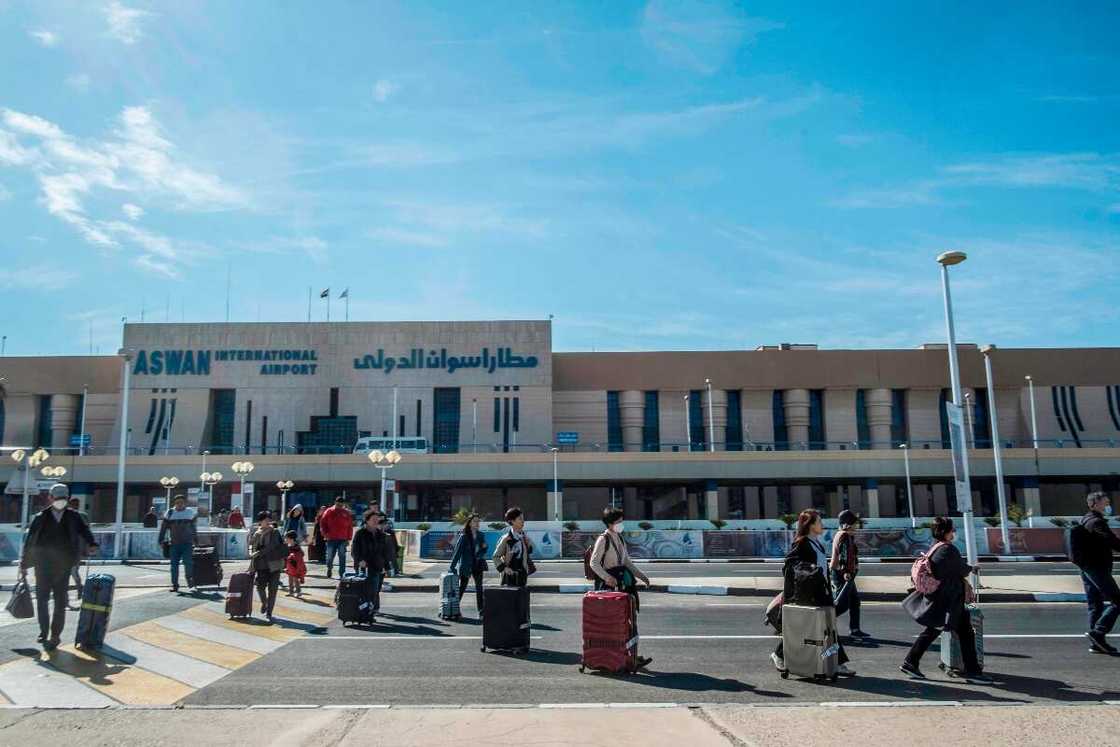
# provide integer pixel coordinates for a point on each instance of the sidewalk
(586, 726)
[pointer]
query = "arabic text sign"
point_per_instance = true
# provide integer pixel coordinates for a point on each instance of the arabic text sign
(440, 360)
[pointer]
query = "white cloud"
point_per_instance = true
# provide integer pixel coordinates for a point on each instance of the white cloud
(40, 277)
(314, 247)
(79, 82)
(29, 124)
(702, 37)
(1087, 171)
(383, 89)
(134, 212)
(46, 38)
(124, 22)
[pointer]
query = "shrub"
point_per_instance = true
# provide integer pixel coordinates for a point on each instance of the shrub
(571, 526)
(1016, 514)
(423, 527)
(645, 525)
(926, 525)
(992, 521)
(461, 515)
(718, 523)
(497, 525)
(1058, 521)
(788, 519)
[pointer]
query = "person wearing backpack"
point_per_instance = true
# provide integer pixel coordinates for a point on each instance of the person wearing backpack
(612, 569)
(938, 603)
(1091, 544)
(844, 567)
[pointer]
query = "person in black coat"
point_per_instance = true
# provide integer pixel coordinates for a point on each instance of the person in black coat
(944, 609)
(372, 553)
(1093, 556)
(469, 559)
(805, 580)
(53, 546)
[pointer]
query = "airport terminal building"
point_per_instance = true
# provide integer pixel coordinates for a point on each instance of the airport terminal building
(480, 406)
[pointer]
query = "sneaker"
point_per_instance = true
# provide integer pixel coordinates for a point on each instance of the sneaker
(42, 637)
(386, 586)
(1099, 644)
(859, 634)
(192, 590)
(911, 671)
(779, 662)
(845, 671)
(174, 590)
(328, 573)
(978, 678)
(644, 661)
(52, 644)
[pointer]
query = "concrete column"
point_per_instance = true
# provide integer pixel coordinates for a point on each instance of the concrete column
(796, 402)
(769, 502)
(631, 404)
(879, 417)
(692, 503)
(1032, 496)
(711, 498)
(631, 505)
(940, 500)
(554, 501)
(719, 418)
(871, 497)
(801, 496)
(752, 500)
(64, 416)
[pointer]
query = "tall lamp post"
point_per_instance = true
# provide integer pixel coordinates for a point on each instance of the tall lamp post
(997, 449)
(386, 462)
(711, 418)
(28, 461)
(122, 450)
(964, 485)
(284, 486)
(688, 420)
(1034, 423)
(242, 469)
(169, 484)
(209, 480)
(556, 484)
(909, 490)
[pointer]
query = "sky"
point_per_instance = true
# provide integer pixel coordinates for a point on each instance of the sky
(659, 175)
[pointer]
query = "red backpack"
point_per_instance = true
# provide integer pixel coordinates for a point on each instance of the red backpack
(921, 573)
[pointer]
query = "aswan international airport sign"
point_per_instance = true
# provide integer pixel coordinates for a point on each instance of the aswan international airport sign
(197, 362)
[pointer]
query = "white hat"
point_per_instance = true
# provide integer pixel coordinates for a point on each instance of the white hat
(58, 490)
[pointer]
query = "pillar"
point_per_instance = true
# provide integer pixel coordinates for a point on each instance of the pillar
(879, 417)
(796, 403)
(801, 496)
(718, 419)
(769, 502)
(1032, 496)
(871, 498)
(64, 417)
(631, 405)
(554, 501)
(752, 500)
(711, 498)
(692, 503)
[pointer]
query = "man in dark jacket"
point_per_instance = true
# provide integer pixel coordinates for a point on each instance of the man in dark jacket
(1092, 544)
(53, 545)
(372, 553)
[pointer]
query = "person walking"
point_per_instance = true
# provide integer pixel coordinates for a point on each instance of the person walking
(316, 545)
(294, 522)
(394, 546)
(469, 560)
(371, 553)
(235, 520)
(844, 566)
(267, 553)
(179, 531)
(151, 519)
(1091, 546)
(512, 557)
(943, 609)
(294, 566)
(52, 547)
(336, 527)
(83, 550)
(615, 571)
(807, 550)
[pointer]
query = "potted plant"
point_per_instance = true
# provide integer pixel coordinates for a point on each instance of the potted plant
(1059, 522)
(461, 515)
(718, 523)
(788, 519)
(1016, 514)
(571, 526)
(497, 525)
(645, 525)
(992, 521)
(423, 527)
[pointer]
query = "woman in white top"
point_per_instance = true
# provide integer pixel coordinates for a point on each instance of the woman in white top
(615, 571)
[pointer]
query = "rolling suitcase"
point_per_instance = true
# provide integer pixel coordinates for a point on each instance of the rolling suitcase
(353, 600)
(610, 643)
(810, 643)
(97, 603)
(951, 659)
(505, 626)
(449, 597)
(207, 568)
(239, 595)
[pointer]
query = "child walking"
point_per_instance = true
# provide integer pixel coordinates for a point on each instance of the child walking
(294, 565)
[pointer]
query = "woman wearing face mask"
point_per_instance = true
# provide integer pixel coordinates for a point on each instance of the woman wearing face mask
(611, 563)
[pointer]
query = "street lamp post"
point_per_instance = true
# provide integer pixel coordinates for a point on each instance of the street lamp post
(1034, 425)
(474, 425)
(909, 490)
(968, 421)
(82, 435)
(284, 486)
(386, 462)
(122, 449)
(169, 484)
(559, 512)
(209, 480)
(964, 502)
(997, 448)
(242, 470)
(711, 418)
(688, 421)
(28, 461)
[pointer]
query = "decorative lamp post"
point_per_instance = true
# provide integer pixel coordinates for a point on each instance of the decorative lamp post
(386, 462)
(168, 484)
(242, 469)
(209, 480)
(28, 460)
(284, 486)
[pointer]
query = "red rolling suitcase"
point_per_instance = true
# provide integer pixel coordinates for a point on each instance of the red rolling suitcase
(610, 643)
(239, 595)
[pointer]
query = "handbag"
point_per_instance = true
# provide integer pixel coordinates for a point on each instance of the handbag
(20, 605)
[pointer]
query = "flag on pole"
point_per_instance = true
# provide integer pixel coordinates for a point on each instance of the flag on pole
(326, 293)
(344, 294)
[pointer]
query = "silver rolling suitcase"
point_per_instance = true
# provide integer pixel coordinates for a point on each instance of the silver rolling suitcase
(810, 644)
(449, 597)
(951, 660)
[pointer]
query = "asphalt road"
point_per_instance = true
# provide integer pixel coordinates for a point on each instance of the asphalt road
(705, 649)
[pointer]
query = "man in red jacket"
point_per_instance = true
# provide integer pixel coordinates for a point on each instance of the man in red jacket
(336, 525)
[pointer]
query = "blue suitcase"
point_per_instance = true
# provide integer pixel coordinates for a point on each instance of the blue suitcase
(97, 603)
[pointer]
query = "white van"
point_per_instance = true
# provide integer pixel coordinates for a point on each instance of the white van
(403, 444)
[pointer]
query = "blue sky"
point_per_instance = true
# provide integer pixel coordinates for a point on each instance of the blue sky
(660, 175)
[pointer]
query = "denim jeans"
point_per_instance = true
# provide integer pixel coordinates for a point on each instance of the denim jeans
(336, 547)
(853, 599)
(182, 553)
(1103, 597)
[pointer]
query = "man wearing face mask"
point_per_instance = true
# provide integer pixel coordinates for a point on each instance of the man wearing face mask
(1091, 546)
(611, 563)
(53, 546)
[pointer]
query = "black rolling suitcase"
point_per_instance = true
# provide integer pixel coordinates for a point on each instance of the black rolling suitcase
(505, 626)
(207, 567)
(97, 603)
(354, 599)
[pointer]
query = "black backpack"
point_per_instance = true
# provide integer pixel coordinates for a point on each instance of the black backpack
(1079, 540)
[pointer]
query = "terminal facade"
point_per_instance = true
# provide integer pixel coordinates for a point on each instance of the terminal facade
(733, 435)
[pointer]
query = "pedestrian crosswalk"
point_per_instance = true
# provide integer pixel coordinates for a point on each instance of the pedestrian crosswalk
(160, 661)
(121, 594)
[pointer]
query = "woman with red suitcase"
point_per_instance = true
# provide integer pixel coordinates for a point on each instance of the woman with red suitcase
(614, 571)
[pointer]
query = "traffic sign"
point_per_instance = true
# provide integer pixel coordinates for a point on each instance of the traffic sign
(958, 442)
(567, 438)
(80, 440)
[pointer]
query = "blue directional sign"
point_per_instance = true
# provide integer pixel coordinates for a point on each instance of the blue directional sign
(567, 438)
(82, 440)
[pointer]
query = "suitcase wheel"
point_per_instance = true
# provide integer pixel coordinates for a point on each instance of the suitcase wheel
(483, 649)
(784, 674)
(581, 669)
(833, 678)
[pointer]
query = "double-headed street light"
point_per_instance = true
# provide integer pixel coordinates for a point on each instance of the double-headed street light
(284, 486)
(28, 460)
(169, 484)
(209, 480)
(386, 462)
(53, 473)
(242, 469)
